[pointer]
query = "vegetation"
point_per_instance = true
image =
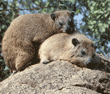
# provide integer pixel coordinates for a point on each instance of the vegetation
(95, 22)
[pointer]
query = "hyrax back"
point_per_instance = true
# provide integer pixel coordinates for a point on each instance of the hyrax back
(27, 31)
(77, 49)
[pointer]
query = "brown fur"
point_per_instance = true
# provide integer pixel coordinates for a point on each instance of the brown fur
(61, 47)
(26, 32)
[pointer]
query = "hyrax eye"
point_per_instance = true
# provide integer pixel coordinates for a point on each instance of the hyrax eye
(75, 42)
(83, 52)
(61, 24)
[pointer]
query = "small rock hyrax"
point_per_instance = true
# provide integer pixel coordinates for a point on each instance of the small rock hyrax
(75, 48)
(22, 37)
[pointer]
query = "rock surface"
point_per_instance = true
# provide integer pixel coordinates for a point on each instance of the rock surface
(59, 77)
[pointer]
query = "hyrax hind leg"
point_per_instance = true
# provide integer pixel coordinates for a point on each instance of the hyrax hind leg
(23, 58)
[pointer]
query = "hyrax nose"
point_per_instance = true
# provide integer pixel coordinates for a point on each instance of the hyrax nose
(83, 52)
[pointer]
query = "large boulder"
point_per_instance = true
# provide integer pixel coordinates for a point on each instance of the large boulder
(60, 77)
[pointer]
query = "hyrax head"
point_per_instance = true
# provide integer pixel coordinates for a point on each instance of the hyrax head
(63, 20)
(82, 50)
(77, 49)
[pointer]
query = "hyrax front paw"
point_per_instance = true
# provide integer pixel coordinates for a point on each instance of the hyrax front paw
(45, 61)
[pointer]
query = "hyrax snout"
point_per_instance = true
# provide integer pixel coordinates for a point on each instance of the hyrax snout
(77, 49)
(22, 38)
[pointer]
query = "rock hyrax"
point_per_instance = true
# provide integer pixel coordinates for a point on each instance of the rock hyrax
(26, 32)
(77, 49)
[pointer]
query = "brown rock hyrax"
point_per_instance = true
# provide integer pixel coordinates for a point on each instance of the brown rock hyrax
(26, 32)
(77, 49)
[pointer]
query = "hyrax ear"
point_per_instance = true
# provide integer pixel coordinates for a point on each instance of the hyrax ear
(75, 42)
(72, 13)
(94, 46)
(53, 16)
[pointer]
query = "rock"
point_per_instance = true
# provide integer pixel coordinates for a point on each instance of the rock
(57, 77)
(100, 62)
